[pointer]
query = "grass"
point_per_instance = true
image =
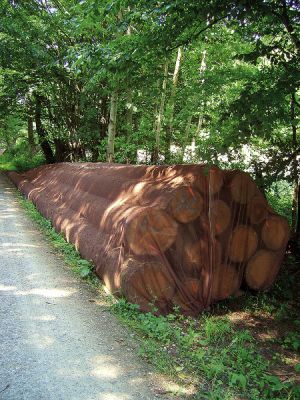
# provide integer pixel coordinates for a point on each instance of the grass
(7, 165)
(20, 160)
(222, 361)
(219, 354)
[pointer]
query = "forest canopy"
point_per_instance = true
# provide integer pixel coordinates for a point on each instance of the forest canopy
(155, 82)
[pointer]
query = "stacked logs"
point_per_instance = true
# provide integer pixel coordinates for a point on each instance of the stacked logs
(163, 236)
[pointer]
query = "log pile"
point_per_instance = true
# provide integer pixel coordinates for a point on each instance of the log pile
(163, 236)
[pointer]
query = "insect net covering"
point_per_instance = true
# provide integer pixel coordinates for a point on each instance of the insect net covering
(162, 236)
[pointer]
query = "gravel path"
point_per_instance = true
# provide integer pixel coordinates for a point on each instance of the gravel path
(56, 342)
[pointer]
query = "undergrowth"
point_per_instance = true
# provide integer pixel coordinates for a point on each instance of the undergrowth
(210, 353)
(19, 158)
(221, 361)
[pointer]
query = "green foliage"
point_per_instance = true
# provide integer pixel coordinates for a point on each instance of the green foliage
(227, 360)
(292, 341)
(237, 100)
(20, 158)
(238, 75)
(280, 195)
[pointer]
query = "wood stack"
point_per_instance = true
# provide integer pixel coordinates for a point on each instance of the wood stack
(163, 236)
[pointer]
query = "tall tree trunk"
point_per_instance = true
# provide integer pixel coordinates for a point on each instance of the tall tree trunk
(186, 137)
(9, 141)
(156, 105)
(169, 132)
(160, 114)
(129, 112)
(294, 206)
(112, 126)
(259, 179)
(130, 155)
(103, 118)
(62, 150)
(30, 135)
(295, 209)
(129, 98)
(199, 125)
(202, 70)
(41, 132)
(298, 215)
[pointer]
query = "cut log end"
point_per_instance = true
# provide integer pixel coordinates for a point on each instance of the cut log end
(257, 209)
(275, 233)
(262, 269)
(195, 252)
(186, 204)
(146, 283)
(220, 216)
(150, 232)
(243, 243)
(209, 182)
(242, 188)
(198, 255)
(215, 180)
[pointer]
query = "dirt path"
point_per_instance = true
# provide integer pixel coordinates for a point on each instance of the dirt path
(55, 343)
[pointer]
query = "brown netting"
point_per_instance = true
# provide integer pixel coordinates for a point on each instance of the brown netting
(163, 236)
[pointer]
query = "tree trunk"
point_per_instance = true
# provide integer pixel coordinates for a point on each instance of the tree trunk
(199, 125)
(30, 135)
(103, 118)
(62, 150)
(298, 216)
(129, 98)
(160, 114)
(41, 132)
(186, 138)
(131, 155)
(202, 70)
(259, 179)
(112, 126)
(129, 112)
(294, 164)
(172, 104)
(295, 206)
(156, 105)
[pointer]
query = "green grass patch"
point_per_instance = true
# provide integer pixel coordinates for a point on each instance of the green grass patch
(221, 361)
(20, 158)
(7, 165)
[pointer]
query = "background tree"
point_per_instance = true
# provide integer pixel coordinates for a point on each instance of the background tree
(150, 81)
